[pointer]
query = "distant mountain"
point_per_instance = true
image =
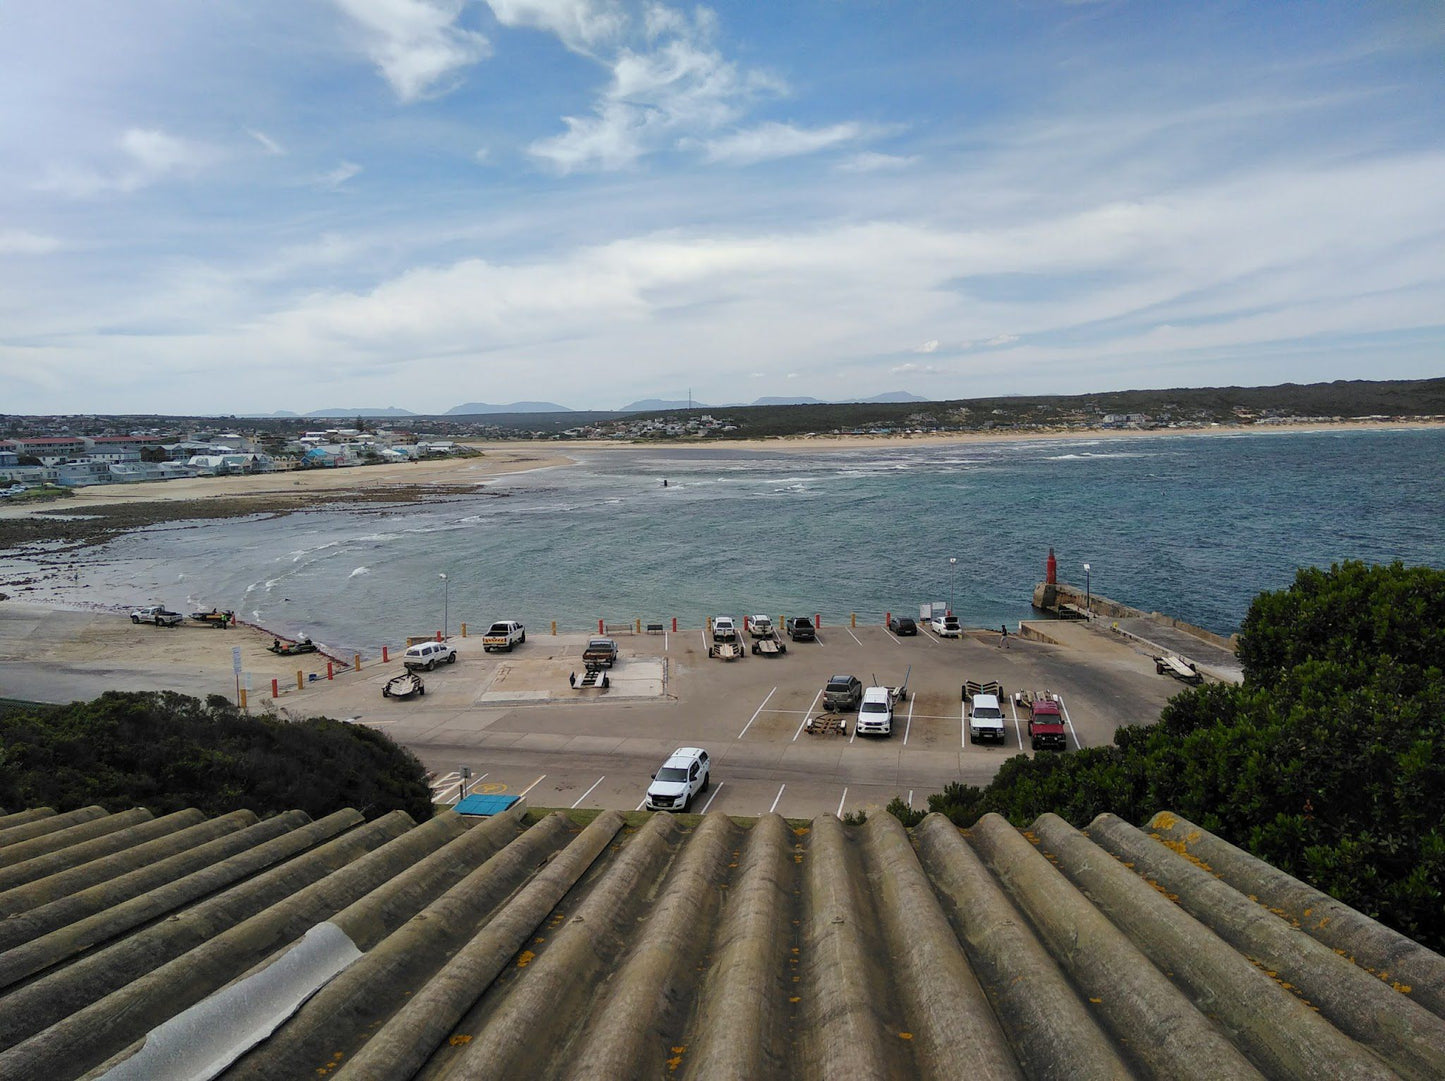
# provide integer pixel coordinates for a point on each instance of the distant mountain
(389, 411)
(891, 396)
(477, 408)
(652, 405)
(790, 401)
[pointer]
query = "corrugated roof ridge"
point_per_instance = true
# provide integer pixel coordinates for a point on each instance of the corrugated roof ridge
(404, 1043)
(1404, 964)
(346, 1011)
(42, 866)
(670, 941)
(1139, 1004)
(1278, 1032)
(88, 1036)
(540, 1007)
(40, 825)
(742, 991)
(122, 916)
(59, 840)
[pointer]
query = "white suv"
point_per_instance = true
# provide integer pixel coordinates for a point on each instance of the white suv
(724, 629)
(428, 655)
(682, 776)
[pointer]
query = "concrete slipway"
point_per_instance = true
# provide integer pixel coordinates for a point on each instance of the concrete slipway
(656, 947)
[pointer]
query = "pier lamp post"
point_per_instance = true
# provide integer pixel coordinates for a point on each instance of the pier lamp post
(446, 603)
(1088, 592)
(952, 567)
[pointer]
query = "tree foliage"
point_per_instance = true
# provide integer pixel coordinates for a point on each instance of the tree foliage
(1328, 761)
(166, 752)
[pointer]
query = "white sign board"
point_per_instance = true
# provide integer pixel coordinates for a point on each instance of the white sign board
(236, 659)
(925, 613)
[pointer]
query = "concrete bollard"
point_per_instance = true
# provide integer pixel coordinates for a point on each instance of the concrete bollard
(385, 656)
(554, 628)
(300, 680)
(464, 630)
(275, 688)
(329, 673)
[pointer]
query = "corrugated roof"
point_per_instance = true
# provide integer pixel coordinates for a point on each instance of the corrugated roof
(182, 947)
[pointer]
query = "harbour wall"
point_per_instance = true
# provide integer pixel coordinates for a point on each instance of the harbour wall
(1070, 600)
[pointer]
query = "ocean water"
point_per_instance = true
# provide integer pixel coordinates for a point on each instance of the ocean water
(1190, 525)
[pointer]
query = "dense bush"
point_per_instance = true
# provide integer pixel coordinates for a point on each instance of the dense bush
(1328, 762)
(166, 751)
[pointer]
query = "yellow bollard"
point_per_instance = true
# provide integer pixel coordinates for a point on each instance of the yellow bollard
(356, 662)
(639, 627)
(709, 626)
(243, 698)
(855, 619)
(464, 630)
(300, 680)
(554, 628)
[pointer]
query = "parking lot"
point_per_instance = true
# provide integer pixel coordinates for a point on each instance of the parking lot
(514, 721)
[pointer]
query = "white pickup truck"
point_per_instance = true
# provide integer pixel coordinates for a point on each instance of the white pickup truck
(504, 636)
(875, 714)
(724, 629)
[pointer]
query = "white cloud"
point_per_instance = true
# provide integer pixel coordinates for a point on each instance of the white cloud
(871, 162)
(677, 86)
(773, 140)
(147, 155)
(417, 44)
(24, 242)
(910, 368)
(482, 155)
(580, 24)
(929, 346)
(338, 176)
(268, 144)
(1001, 339)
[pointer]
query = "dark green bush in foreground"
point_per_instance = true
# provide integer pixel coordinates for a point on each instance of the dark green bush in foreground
(1328, 762)
(166, 751)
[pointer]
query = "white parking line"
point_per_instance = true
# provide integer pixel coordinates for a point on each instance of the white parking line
(1018, 732)
(715, 791)
(804, 721)
(854, 736)
(705, 643)
(1077, 745)
(840, 802)
(963, 723)
(531, 786)
(644, 802)
(891, 635)
(664, 641)
(776, 798)
(908, 725)
(910, 799)
(584, 795)
(754, 717)
(853, 636)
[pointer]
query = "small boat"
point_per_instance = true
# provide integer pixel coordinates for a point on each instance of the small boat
(215, 618)
(403, 686)
(301, 645)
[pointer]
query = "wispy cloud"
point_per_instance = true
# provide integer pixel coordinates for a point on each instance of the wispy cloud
(871, 162)
(912, 368)
(268, 144)
(930, 346)
(579, 24)
(333, 180)
(417, 45)
(773, 140)
(145, 156)
(24, 242)
(1000, 339)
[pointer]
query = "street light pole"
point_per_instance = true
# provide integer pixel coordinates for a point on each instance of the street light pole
(952, 566)
(1088, 592)
(446, 603)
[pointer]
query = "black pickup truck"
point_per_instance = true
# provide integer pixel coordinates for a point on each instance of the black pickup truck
(600, 653)
(800, 629)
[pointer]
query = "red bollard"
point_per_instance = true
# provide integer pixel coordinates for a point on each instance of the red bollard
(745, 622)
(328, 670)
(887, 619)
(439, 636)
(275, 689)
(600, 628)
(817, 620)
(384, 656)
(674, 624)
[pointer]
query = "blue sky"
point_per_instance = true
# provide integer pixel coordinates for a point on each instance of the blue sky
(247, 205)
